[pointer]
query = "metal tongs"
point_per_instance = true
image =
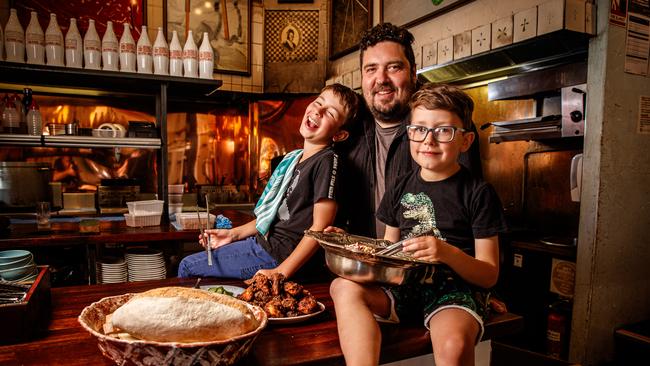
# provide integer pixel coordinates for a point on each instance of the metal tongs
(393, 248)
(208, 249)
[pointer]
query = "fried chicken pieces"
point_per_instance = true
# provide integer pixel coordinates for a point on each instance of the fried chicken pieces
(279, 298)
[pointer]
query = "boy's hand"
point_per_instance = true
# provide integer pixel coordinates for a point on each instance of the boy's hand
(217, 237)
(268, 272)
(428, 248)
(333, 229)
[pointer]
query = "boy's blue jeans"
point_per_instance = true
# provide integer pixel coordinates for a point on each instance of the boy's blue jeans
(240, 259)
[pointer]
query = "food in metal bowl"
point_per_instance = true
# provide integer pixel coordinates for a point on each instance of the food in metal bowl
(355, 258)
(224, 346)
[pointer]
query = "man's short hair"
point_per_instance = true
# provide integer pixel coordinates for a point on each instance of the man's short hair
(388, 32)
(349, 99)
(446, 97)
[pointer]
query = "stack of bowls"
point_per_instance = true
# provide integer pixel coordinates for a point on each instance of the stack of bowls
(112, 270)
(17, 266)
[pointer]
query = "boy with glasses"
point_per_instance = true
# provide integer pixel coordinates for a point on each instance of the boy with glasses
(453, 219)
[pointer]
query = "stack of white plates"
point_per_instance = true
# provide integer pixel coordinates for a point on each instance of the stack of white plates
(145, 264)
(111, 270)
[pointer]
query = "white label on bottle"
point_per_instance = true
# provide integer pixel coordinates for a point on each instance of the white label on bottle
(53, 40)
(189, 54)
(34, 38)
(71, 44)
(144, 50)
(176, 54)
(109, 46)
(93, 45)
(205, 56)
(552, 335)
(13, 36)
(160, 51)
(127, 47)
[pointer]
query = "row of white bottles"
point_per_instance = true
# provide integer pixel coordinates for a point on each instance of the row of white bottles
(107, 53)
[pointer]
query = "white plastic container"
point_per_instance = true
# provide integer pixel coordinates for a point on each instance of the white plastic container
(35, 41)
(110, 49)
(206, 58)
(175, 208)
(175, 198)
(54, 43)
(73, 46)
(190, 221)
(140, 221)
(144, 208)
(144, 53)
(175, 56)
(34, 120)
(127, 50)
(160, 54)
(190, 57)
(14, 39)
(175, 188)
(92, 47)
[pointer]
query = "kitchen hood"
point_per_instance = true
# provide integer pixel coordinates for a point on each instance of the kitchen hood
(549, 50)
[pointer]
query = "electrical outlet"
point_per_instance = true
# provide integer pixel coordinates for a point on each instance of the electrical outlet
(518, 261)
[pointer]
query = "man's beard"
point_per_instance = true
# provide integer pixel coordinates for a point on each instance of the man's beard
(395, 111)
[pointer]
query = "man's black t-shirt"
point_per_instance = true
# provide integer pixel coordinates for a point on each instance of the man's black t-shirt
(312, 180)
(456, 210)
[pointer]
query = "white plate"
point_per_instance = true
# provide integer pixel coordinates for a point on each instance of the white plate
(299, 318)
(236, 290)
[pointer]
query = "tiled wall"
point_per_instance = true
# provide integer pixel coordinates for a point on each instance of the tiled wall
(250, 84)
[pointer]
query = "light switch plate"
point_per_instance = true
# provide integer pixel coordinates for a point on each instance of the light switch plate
(429, 54)
(550, 16)
(502, 32)
(518, 260)
(356, 79)
(445, 50)
(462, 45)
(575, 15)
(525, 26)
(481, 38)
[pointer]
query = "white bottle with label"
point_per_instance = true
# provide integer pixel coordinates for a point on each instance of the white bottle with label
(160, 54)
(34, 120)
(144, 53)
(73, 46)
(190, 57)
(14, 39)
(127, 50)
(110, 49)
(35, 41)
(206, 58)
(175, 56)
(54, 43)
(92, 47)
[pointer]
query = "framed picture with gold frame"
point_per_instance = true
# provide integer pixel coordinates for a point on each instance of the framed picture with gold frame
(349, 19)
(227, 22)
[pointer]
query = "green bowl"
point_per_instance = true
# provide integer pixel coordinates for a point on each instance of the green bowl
(18, 272)
(7, 256)
(17, 263)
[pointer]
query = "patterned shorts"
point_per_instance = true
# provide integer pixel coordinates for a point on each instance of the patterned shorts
(417, 302)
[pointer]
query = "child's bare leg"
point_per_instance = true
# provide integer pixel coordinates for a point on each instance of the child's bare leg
(359, 334)
(453, 337)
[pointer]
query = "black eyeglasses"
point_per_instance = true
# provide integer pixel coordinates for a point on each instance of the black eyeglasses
(441, 133)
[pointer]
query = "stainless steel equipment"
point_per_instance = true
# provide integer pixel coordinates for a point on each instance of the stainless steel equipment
(367, 267)
(22, 184)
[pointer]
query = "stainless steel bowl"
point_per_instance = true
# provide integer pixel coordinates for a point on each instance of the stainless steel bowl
(367, 267)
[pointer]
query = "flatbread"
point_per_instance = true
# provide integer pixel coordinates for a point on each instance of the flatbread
(184, 315)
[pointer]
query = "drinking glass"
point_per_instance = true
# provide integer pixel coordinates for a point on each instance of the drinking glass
(43, 215)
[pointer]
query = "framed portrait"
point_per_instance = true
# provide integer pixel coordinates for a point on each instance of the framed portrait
(133, 12)
(227, 22)
(409, 13)
(350, 18)
(291, 36)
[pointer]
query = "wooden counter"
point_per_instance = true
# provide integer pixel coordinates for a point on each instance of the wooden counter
(314, 342)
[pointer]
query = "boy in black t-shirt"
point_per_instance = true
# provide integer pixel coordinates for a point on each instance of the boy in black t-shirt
(300, 195)
(453, 219)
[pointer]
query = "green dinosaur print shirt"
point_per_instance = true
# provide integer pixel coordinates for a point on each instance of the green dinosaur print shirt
(456, 210)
